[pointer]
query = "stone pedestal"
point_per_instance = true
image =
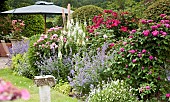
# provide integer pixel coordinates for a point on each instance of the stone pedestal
(44, 83)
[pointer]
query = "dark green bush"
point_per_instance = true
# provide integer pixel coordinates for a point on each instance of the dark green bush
(31, 57)
(86, 12)
(34, 24)
(59, 21)
(49, 24)
(157, 8)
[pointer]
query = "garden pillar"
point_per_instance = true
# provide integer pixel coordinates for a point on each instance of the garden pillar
(44, 83)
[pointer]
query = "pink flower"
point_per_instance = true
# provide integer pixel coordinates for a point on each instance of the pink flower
(128, 76)
(147, 87)
(168, 95)
(132, 51)
(150, 72)
(149, 21)
(126, 66)
(158, 25)
(124, 43)
(139, 55)
(164, 33)
(143, 67)
(155, 33)
(146, 32)
(133, 31)
(123, 28)
(143, 21)
(35, 44)
(25, 94)
(143, 51)
(65, 39)
(122, 49)
(162, 15)
(130, 36)
(167, 25)
(111, 45)
(154, 27)
(151, 57)
(134, 60)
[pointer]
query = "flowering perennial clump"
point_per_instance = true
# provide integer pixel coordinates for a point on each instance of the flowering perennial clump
(9, 92)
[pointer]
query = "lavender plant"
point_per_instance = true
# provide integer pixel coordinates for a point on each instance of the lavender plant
(53, 65)
(89, 69)
(19, 47)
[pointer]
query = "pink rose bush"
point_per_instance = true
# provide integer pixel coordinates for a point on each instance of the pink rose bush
(144, 57)
(8, 92)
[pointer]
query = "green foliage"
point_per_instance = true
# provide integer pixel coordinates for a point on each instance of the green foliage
(49, 24)
(59, 21)
(115, 91)
(31, 53)
(157, 8)
(63, 87)
(21, 66)
(34, 24)
(86, 12)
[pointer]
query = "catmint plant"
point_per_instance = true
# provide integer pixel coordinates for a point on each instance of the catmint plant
(89, 69)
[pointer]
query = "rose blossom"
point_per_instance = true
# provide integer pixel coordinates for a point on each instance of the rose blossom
(139, 55)
(151, 57)
(154, 27)
(155, 33)
(143, 51)
(164, 33)
(168, 95)
(134, 60)
(132, 51)
(146, 32)
(122, 49)
(111, 45)
(143, 67)
(143, 21)
(147, 87)
(162, 15)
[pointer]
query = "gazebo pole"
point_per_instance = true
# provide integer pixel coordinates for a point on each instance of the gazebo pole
(45, 23)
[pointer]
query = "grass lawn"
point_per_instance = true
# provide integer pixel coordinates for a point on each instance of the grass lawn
(25, 83)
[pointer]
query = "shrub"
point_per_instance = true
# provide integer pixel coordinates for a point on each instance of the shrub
(141, 58)
(86, 12)
(63, 87)
(34, 24)
(115, 91)
(157, 8)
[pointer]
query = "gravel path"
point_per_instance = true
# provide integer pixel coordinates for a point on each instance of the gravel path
(3, 61)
